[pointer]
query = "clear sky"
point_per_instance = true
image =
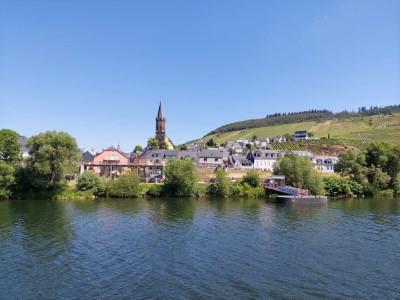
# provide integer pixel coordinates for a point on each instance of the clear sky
(98, 69)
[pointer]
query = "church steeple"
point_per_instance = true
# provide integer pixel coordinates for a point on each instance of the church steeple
(160, 125)
(160, 114)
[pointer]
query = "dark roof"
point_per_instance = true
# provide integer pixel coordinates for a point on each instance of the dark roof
(87, 156)
(211, 153)
(160, 114)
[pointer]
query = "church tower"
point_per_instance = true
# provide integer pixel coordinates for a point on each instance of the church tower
(160, 126)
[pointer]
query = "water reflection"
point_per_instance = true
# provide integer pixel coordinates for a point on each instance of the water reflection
(199, 248)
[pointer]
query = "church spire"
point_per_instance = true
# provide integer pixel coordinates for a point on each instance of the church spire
(160, 114)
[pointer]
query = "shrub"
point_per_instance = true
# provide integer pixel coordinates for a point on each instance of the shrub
(180, 177)
(385, 193)
(155, 190)
(89, 181)
(252, 178)
(126, 185)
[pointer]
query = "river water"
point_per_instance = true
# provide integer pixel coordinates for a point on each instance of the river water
(199, 249)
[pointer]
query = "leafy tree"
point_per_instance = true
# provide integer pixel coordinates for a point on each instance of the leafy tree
(137, 149)
(183, 147)
(89, 181)
(126, 185)
(222, 184)
(153, 143)
(252, 178)
(164, 145)
(352, 163)
(210, 143)
(300, 173)
(254, 137)
(336, 187)
(52, 155)
(180, 177)
(9, 146)
(7, 180)
(311, 134)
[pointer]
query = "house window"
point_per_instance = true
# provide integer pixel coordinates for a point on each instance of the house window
(205, 159)
(216, 159)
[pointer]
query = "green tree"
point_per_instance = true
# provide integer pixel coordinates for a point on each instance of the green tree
(137, 149)
(222, 184)
(7, 180)
(52, 155)
(180, 177)
(252, 178)
(300, 173)
(254, 137)
(210, 143)
(153, 143)
(352, 164)
(164, 145)
(9, 146)
(126, 185)
(88, 181)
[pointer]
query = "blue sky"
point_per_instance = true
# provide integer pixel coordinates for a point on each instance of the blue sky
(98, 69)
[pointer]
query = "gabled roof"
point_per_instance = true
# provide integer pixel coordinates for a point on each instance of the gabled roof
(87, 156)
(22, 140)
(211, 153)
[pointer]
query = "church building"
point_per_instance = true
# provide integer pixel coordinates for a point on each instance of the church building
(161, 135)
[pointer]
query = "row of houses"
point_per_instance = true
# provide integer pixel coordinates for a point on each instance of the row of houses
(150, 163)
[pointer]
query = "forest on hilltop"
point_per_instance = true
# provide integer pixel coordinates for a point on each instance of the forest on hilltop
(310, 115)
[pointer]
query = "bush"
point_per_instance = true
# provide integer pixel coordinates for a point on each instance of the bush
(89, 181)
(250, 192)
(180, 177)
(7, 180)
(335, 187)
(155, 190)
(385, 193)
(126, 185)
(252, 178)
(200, 189)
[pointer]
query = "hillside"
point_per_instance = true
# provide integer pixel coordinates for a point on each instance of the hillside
(357, 131)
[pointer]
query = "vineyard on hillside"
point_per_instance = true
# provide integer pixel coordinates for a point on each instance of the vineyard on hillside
(354, 132)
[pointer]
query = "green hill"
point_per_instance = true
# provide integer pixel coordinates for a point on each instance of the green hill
(357, 131)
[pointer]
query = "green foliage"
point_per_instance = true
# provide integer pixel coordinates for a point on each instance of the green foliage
(201, 189)
(7, 180)
(9, 146)
(155, 190)
(252, 192)
(252, 178)
(180, 177)
(385, 193)
(210, 143)
(221, 186)
(352, 164)
(126, 185)
(138, 148)
(89, 181)
(163, 145)
(52, 155)
(300, 173)
(336, 187)
(153, 143)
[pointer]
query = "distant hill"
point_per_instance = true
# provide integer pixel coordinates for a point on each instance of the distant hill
(356, 129)
(304, 116)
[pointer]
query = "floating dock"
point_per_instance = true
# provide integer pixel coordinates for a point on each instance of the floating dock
(301, 199)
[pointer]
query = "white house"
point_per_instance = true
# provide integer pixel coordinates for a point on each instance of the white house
(300, 135)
